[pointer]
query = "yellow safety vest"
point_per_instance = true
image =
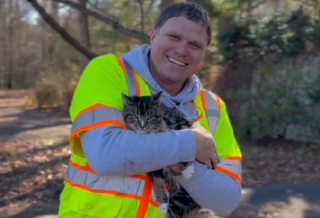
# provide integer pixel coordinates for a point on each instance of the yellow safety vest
(87, 194)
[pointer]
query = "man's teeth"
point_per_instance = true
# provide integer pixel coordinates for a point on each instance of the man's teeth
(176, 61)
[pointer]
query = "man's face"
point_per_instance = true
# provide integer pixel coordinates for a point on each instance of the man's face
(177, 50)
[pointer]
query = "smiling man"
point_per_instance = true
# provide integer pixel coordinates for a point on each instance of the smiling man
(107, 172)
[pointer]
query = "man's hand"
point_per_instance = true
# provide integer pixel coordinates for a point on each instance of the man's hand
(205, 147)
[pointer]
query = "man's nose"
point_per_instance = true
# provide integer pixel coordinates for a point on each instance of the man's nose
(181, 49)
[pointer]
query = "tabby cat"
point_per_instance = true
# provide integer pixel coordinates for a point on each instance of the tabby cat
(144, 115)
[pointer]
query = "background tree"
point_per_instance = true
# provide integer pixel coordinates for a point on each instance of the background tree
(46, 44)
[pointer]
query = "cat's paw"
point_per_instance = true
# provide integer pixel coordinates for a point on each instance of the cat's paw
(163, 208)
(188, 172)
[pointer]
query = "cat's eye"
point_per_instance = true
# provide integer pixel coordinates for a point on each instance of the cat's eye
(135, 116)
(150, 113)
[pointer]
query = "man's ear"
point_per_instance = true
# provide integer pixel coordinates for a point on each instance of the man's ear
(153, 35)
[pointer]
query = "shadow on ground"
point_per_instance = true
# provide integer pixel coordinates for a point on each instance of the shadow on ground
(276, 195)
(288, 200)
(15, 123)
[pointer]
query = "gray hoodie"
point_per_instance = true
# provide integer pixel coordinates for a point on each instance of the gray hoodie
(113, 151)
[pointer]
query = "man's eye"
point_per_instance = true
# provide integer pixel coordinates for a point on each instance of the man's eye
(173, 37)
(194, 46)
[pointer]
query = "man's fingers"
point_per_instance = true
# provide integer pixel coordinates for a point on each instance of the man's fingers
(215, 159)
(209, 164)
(214, 163)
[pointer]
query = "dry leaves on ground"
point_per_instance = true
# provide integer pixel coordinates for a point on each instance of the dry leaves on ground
(280, 161)
(31, 172)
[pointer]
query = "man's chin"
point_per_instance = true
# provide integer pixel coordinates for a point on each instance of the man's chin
(171, 80)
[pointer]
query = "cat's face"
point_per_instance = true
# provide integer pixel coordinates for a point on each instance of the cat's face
(142, 114)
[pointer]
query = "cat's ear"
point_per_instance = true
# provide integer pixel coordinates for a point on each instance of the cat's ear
(157, 96)
(125, 99)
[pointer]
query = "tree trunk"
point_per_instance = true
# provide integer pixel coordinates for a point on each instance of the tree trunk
(83, 34)
(10, 46)
(44, 38)
(3, 57)
(141, 15)
(51, 34)
(223, 25)
(17, 45)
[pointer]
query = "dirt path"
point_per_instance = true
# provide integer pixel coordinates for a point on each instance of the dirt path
(17, 121)
(280, 181)
(21, 123)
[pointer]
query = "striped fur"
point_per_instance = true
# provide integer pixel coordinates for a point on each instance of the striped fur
(144, 115)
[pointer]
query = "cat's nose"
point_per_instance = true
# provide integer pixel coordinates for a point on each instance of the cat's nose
(142, 124)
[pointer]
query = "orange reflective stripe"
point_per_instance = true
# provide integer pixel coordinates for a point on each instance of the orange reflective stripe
(202, 99)
(145, 197)
(121, 64)
(153, 203)
(101, 190)
(136, 81)
(80, 167)
(77, 138)
(233, 158)
(88, 168)
(201, 112)
(90, 108)
(218, 101)
(229, 173)
(98, 124)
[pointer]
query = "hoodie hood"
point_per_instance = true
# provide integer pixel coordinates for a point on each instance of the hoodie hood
(138, 59)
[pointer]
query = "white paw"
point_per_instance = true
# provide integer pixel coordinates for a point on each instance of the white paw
(188, 172)
(167, 193)
(163, 208)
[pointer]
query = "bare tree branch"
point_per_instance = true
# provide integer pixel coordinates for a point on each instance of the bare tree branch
(94, 7)
(308, 3)
(141, 14)
(60, 30)
(116, 25)
(254, 6)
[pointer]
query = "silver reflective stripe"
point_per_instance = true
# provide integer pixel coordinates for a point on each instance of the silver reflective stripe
(97, 114)
(122, 184)
(132, 86)
(232, 166)
(212, 111)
